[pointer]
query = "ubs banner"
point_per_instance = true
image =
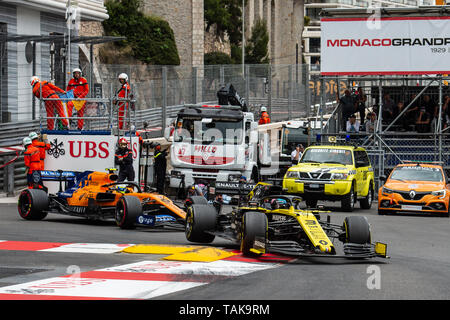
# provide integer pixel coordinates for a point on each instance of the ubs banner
(85, 152)
(394, 45)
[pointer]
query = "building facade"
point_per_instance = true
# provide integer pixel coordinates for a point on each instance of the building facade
(26, 50)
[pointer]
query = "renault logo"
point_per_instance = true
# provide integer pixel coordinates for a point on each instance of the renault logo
(412, 194)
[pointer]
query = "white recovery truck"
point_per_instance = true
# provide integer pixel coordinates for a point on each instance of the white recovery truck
(216, 144)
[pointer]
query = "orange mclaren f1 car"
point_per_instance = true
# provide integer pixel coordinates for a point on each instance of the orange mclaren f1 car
(98, 195)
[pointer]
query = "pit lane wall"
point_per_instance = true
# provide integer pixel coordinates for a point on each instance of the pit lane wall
(85, 152)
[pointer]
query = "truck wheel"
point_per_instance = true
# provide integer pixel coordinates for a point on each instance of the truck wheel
(128, 209)
(366, 203)
(200, 218)
(254, 228)
(357, 230)
(33, 204)
(348, 201)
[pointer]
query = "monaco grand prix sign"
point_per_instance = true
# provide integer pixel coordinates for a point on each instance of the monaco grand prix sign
(393, 45)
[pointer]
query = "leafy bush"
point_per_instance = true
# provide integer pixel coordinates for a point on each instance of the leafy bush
(151, 38)
(217, 58)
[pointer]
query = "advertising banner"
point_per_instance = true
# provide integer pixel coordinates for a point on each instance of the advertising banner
(392, 45)
(85, 153)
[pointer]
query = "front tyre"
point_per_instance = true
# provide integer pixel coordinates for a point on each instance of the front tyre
(200, 218)
(33, 204)
(128, 209)
(254, 229)
(357, 230)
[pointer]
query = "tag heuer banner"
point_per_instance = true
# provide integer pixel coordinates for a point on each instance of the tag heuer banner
(393, 45)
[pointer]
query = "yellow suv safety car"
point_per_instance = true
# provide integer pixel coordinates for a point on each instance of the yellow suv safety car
(335, 173)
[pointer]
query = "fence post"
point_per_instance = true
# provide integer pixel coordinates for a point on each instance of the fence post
(164, 99)
(247, 83)
(194, 84)
(439, 125)
(8, 176)
(290, 93)
(269, 93)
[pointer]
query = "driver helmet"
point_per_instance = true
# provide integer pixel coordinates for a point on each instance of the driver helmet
(121, 188)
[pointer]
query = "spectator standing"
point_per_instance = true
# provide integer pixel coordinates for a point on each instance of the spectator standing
(124, 158)
(388, 108)
(348, 106)
(50, 91)
(160, 165)
(123, 93)
(31, 159)
(423, 122)
(264, 118)
(361, 104)
(42, 146)
(80, 88)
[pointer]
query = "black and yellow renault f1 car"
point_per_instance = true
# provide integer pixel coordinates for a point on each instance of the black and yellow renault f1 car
(271, 222)
(99, 196)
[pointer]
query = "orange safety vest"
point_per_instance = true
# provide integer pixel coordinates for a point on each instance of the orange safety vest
(32, 159)
(42, 147)
(80, 87)
(264, 118)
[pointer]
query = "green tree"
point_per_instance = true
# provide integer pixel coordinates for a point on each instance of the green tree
(256, 52)
(212, 58)
(226, 15)
(151, 38)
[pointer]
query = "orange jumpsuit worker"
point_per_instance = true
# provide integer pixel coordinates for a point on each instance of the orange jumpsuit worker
(32, 160)
(41, 145)
(49, 90)
(123, 93)
(80, 88)
(264, 116)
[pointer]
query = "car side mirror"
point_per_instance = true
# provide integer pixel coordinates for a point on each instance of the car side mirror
(383, 179)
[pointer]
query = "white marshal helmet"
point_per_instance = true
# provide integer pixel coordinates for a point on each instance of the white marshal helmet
(123, 76)
(263, 109)
(33, 135)
(76, 70)
(33, 80)
(26, 141)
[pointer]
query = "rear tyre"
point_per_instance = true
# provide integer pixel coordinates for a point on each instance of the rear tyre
(33, 204)
(357, 230)
(348, 202)
(200, 218)
(128, 209)
(366, 203)
(254, 227)
(198, 200)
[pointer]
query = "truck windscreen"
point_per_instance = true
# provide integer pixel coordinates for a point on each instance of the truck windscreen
(207, 130)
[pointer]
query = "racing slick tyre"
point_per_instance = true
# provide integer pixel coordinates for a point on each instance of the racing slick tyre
(254, 228)
(348, 201)
(198, 200)
(33, 204)
(128, 209)
(200, 218)
(366, 203)
(357, 230)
